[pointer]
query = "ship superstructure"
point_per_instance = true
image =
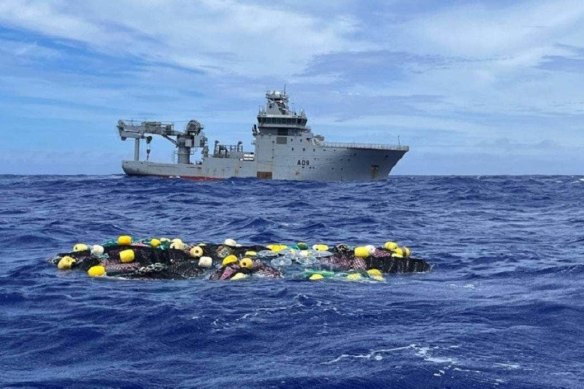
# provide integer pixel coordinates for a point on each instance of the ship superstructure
(285, 149)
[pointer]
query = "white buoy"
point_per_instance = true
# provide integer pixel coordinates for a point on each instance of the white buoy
(205, 262)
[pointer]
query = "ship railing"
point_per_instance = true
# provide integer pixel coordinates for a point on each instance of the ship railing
(135, 122)
(376, 146)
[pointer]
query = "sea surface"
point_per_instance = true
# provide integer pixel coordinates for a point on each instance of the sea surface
(502, 307)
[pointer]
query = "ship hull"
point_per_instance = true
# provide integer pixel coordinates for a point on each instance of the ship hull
(285, 149)
(323, 164)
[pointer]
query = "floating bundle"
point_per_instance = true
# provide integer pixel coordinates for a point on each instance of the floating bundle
(163, 258)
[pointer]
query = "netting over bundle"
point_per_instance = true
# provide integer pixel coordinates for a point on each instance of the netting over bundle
(173, 259)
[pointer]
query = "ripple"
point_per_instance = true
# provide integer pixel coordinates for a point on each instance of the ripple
(503, 300)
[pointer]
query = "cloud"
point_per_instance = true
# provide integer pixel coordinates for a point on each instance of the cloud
(446, 77)
(372, 67)
(507, 145)
(481, 30)
(571, 61)
(214, 36)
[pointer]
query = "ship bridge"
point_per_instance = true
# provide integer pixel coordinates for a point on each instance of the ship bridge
(278, 115)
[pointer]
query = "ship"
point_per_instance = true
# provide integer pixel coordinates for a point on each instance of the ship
(285, 148)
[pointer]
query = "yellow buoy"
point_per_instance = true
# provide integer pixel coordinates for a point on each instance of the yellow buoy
(154, 242)
(205, 262)
(66, 263)
(127, 256)
(246, 263)
(281, 247)
(276, 247)
(80, 247)
(407, 252)
(250, 253)
(238, 276)
(97, 249)
(96, 271)
(362, 252)
(316, 277)
(230, 259)
(124, 240)
(354, 276)
(374, 273)
(196, 252)
(320, 247)
(398, 253)
(390, 246)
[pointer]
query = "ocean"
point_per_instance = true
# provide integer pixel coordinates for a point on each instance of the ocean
(502, 307)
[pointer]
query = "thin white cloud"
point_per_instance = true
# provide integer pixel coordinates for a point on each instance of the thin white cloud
(217, 36)
(480, 31)
(493, 69)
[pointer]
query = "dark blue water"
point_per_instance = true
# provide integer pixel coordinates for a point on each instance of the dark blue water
(502, 307)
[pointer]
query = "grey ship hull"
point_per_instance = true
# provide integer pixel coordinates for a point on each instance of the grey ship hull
(285, 149)
(325, 164)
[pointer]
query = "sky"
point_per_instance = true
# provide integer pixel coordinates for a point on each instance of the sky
(473, 87)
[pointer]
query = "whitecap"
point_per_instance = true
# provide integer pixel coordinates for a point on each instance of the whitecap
(375, 355)
(508, 366)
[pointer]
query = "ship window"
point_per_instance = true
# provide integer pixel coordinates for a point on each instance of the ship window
(303, 149)
(292, 148)
(281, 140)
(282, 131)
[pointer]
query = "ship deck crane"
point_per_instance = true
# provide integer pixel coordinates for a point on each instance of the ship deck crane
(192, 136)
